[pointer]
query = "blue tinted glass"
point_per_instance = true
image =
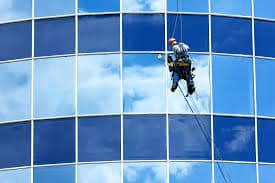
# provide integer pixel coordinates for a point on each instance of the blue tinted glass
(233, 172)
(189, 137)
(264, 38)
(232, 85)
(145, 173)
(99, 173)
(15, 91)
(144, 137)
(266, 173)
(264, 8)
(201, 97)
(15, 142)
(54, 36)
(143, 83)
(98, 75)
(16, 176)
(231, 7)
(231, 35)
(143, 32)
(86, 6)
(143, 5)
(190, 172)
(99, 138)
(190, 29)
(266, 146)
(265, 89)
(98, 33)
(15, 9)
(187, 6)
(54, 87)
(53, 7)
(54, 141)
(234, 138)
(16, 40)
(54, 174)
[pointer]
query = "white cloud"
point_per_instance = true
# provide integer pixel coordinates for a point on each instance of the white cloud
(99, 173)
(15, 176)
(242, 136)
(201, 97)
(54, 83)
(143, 5)
(15, 90)
(181, 169)
(147, 85)
(99, 84)
(145, 172)
(14, 9)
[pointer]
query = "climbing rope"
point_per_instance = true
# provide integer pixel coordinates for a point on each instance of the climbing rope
(207, 137)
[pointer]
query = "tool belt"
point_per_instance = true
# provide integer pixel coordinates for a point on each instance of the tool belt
(182, 64)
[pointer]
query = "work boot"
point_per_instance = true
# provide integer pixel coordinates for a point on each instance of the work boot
(191, 89)
(174, 87)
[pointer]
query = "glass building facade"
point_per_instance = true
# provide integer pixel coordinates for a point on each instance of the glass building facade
(84, 99)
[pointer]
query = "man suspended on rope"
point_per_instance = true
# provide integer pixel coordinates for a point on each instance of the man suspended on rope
(181, 66)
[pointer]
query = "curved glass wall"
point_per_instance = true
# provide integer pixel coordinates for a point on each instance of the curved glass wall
(85, 91)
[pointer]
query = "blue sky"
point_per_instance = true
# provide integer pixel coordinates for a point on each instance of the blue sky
(238, 173)
(190, 172)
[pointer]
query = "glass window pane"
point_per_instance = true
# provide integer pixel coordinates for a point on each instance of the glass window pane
(16, 176)
(16, 40)
(143, 32)
(231, 7)
(232, 85)
(86, 6)
(265, 98)
(143, 83)
(264, 8)
(200, 100)
(98, 75)
(190, 172)
(144, 173)
(234, 138)
(15, 9)
(190, 29)
(266, 173)
(54, 87)
(99, 138)
(15, 91)
(143, 5)
(264, 38)
(231, 35)
(15, 142)
(189, 137)
(266, 144)
(99, 173)
(53, 7)
(54, 174)
(188, 6)
(54, 36)
(54, 141)
(265, 88)
(237, 173)
(144, 137)
(100, 33)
